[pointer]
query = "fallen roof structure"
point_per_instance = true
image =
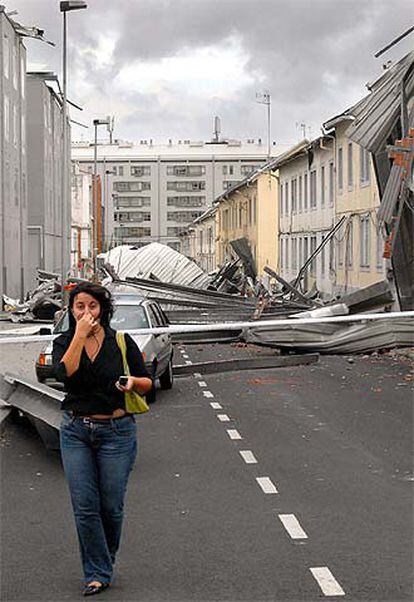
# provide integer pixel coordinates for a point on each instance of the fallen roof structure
(383, 123)
(155, 261)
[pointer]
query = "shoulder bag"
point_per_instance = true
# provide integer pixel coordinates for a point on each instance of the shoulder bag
(134, 402)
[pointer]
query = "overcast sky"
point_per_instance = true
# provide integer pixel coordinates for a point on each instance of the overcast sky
(165, 68)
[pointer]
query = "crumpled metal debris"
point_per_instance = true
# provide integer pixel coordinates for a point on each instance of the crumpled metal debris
(40, 304)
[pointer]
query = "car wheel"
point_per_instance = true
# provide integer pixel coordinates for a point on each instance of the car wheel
(167, 377)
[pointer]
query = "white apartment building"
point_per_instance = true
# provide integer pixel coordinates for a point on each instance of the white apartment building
(13, 160)
(307, 212)
(151, 192)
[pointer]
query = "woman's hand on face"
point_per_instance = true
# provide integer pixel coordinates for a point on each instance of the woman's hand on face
(85, 325)
(128, 387)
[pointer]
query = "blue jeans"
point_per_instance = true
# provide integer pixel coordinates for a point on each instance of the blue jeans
(97, 458)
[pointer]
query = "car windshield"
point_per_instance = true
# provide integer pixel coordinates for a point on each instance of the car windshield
(126, 317)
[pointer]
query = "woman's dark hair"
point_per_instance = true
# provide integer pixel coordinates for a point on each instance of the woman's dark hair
(98, 292)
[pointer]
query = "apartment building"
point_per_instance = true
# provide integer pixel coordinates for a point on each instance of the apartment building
(13, 160)
(44, 164)
(360, 243)
(151, 192)
(249, 210)
(198, 241)
(307, 212)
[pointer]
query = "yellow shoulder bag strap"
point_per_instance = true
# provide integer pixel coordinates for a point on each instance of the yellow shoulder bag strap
(134, 402)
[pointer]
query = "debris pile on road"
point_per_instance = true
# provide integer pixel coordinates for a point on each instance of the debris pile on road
(40, 304)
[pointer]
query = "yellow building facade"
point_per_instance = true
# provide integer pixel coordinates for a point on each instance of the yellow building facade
(250, 210)
(360, 243)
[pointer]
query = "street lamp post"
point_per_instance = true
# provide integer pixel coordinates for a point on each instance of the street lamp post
(264, 99)
(65, 6)
(95, 233)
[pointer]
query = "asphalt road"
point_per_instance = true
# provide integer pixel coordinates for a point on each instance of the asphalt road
(332, 443)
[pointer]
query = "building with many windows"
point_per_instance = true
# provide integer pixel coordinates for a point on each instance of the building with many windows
(307, 212)
(151, 192)
(44, 165)
(13, 160)
(360, 243)
(198, 241)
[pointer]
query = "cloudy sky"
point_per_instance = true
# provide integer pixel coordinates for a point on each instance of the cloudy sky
(164, 68)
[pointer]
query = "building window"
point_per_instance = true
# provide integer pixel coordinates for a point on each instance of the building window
(380, 250)
(186, 186)
(305, 192)
(6, 118)
(228, 170)
(340, 169)
(323, 262)
(15, 125)
(313, 189)
(228, 184)
(281, 259)
(293, 193)
(131, 201)
(365, 241)
(140, 170)
(294, 253)
(331, 255)
(300, 194)
(323, 186)
(132, 216)
(6, 56)
(131, 186)
(364, 166)
(186, 201)
(287, 198)
(349, 244)
(312, 250)
(331, 183)
(186, 170)
(350, 166)
(254, 210)
(247, 169)
(281, 199)
(22, 76)
(15, 69)
(300, 252)
(131, 232)
(121, 170)
(183, 216)
(287, 252)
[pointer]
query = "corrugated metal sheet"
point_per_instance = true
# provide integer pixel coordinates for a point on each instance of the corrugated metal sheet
(337, 338)
(155, 259)
(391, 194)
(376, 114)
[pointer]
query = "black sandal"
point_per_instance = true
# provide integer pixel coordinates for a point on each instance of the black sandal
(91, 590)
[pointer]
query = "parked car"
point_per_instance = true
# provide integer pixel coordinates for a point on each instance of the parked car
(131, 312)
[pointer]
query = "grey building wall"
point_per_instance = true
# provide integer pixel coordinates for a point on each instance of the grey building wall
(13, 161)
(44, 135)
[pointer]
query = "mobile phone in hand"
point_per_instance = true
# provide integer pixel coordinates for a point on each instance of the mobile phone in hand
(123, 381)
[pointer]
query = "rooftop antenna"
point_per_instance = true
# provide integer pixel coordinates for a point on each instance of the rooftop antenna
(110, 127)
(217, 129)
(264, 99)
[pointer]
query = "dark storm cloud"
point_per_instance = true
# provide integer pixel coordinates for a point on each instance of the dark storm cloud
(314, 55)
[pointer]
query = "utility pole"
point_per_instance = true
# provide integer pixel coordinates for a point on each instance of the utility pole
(265, 99)
(95, 213)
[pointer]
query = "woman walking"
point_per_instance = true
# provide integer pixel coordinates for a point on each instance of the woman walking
(97, 436)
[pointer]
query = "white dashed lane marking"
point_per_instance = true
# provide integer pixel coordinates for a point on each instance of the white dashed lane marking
(208, 394)
(292, 526)
(266, 485)
(185, 356)
(233, 434)
(326, 581)
(188, 362)
(197, 374)
(248, 457)
(202, 383)
(215, 405)
(223, 417)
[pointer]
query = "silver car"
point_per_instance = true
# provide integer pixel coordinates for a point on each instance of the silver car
(131, 312)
